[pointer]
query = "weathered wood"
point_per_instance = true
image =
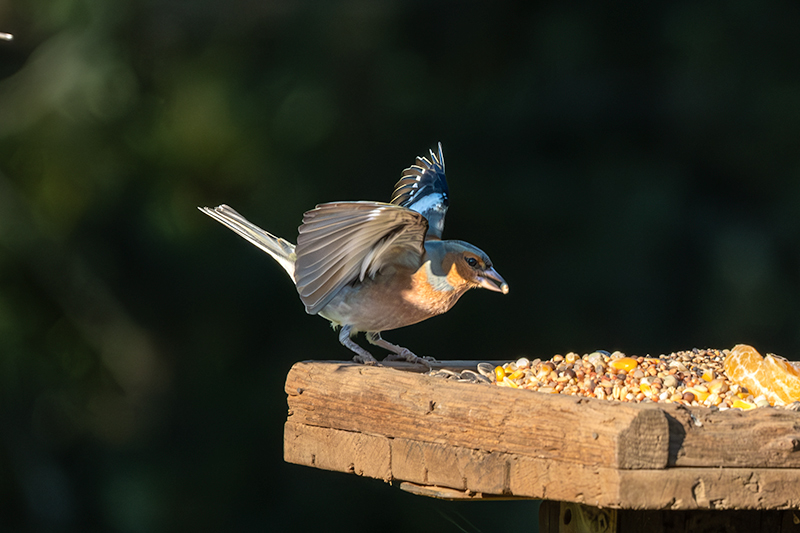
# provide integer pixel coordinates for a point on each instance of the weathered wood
(450, 439)
(477, 474)
(398, 404)
(395, 403)
(340, 451)
(446, 493)
(767, 438)
(712, 488)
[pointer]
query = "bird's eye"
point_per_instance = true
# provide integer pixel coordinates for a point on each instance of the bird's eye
(471, 261)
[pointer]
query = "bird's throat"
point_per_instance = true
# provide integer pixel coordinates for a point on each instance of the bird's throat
(437, 282)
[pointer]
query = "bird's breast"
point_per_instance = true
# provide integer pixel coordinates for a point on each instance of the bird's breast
(435, 294)
(395, 298)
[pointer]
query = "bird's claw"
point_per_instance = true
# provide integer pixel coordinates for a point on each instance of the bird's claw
(407, 355)
(364, 360)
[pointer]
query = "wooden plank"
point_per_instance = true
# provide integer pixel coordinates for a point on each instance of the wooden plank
(398, 404)
(763, 438)
(468, 471)
(340, 451)
(712, 488)
(446, 493)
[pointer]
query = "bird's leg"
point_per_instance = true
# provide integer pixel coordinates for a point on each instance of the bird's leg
(362, 356)
(398, 352)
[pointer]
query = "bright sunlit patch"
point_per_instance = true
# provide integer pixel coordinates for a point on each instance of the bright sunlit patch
(375, 213)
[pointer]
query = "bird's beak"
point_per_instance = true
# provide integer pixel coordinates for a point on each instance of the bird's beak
(493, 281)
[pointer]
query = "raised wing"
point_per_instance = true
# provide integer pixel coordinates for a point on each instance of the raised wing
(423, 188)
(343, 242)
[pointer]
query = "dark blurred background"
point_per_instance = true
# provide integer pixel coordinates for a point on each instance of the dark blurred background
(631, 168)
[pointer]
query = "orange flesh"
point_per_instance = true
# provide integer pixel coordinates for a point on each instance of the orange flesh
(772, 376)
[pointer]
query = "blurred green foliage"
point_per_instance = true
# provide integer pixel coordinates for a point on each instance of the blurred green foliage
(631, 168)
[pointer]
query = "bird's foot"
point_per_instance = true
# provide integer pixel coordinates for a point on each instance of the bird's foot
(407, 355)
(365, 360)
(362, 356)
(398, 352)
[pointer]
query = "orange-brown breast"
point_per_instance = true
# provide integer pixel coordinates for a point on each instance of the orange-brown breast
(435, 300)
(394, 299)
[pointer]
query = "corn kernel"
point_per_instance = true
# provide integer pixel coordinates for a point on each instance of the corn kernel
(708, 375)
(516, 374)
(743, 405)
(713, 399)
(717, 386)
(510, 383)
(499, 373)
(624, 363)
(699, 394)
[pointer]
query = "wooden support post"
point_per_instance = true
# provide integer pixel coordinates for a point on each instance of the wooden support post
(566, 517)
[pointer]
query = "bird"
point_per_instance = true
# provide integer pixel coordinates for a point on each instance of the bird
(372, 266)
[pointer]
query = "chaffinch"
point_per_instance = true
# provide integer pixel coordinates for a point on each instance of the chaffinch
(373, 266)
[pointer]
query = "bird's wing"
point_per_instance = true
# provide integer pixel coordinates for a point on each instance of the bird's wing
(423, 188)
(343, 242)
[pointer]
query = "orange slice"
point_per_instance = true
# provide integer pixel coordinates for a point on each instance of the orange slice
(773, 376)
(784, 376)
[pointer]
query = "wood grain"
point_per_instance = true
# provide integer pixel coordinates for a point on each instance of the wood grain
(340, 451)
(449, 439)
(762, 438)
(397, 404)
(452, 470)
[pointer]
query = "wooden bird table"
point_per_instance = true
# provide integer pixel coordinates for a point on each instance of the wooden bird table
(600, 465)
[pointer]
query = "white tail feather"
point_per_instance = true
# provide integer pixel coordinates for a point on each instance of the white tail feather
(280, 249)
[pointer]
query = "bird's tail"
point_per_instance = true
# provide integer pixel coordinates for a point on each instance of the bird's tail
(280, 249)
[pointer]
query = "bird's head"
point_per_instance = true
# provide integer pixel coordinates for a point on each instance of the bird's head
(467, 265)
